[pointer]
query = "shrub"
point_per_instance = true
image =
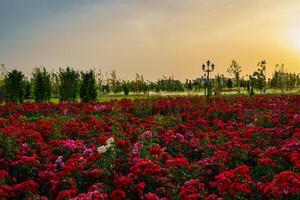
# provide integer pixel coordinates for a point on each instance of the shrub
(88, 91)
(42, 85)
(126, 87)
(68, 84)
(14, 85)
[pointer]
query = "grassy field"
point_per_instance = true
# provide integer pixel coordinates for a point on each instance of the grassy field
(233, 92)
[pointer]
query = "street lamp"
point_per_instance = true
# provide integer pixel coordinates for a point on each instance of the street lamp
(209, 67)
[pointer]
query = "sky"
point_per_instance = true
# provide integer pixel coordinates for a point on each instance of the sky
(153, 38)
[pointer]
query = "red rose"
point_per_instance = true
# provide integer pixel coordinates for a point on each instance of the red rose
(118, 195)
(122, 181)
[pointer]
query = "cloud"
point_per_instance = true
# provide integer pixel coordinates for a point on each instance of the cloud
(150, 37)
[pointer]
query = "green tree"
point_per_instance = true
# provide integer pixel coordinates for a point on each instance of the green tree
(258, 79)
(100, 83)
(88, 90)
(68, 84)
(41, 85)
(54, 80)
(114, 83)
(229, 83)
(235, 69)
(14, 84)
(2, 77)
(126, 87)
(157, 86)
(218, 84)
(28, 87)
(278, 79)
(138, 83)
(145, 87)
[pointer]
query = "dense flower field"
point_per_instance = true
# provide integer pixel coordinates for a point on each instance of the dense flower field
(158, 149)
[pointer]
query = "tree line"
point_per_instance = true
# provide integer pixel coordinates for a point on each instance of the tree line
(69, 85)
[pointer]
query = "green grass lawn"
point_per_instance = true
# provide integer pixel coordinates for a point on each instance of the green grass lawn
(108, 97)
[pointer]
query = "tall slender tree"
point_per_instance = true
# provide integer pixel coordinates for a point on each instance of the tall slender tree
(88, 90)
(41, 84)
(235, 69)
(28, 88)
(258, 79)
(14, 84)
(2, 77)
(126, 87)
(54, 80)
(68, 84)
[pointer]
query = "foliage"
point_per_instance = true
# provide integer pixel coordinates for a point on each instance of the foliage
(42, 85)
(2, 77)
(8, 146)
(28, 88)
(68, 84)
(235, 70)
(229, 83)
(167, 85)
(138, 84)
(100, 83)
(258, 79)
(14, 84)
(114, 83)
(218, 84)
(54, 80)
(88, 90)
(281, 79)
(126, 87)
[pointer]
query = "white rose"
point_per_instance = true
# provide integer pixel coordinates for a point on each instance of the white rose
(110, 141)
(108, 146)
(102, 149)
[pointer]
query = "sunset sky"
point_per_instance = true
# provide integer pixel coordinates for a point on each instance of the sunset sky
(150, 37)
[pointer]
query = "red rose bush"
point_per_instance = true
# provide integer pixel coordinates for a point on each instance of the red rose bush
(155, 149)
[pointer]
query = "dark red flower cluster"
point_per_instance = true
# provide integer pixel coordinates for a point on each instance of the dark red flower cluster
(155, 149)
(234, 182)
(286, 184)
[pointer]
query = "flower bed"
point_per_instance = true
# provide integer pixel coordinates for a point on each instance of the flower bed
(167, 148)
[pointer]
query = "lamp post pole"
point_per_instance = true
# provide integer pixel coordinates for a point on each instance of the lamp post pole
(209, 67)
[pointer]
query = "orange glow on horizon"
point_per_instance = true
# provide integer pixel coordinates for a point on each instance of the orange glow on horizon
(160, 37)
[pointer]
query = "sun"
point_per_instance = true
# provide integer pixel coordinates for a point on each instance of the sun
(297, 40)
(294, 37)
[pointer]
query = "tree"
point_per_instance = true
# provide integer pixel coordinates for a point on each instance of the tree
(138, 83)
(54, 81)
(235, 69)
(292, 79)
(100, 83)
(41, 85)
(145, 88)
(14, 85)
(88, 90)
(68, 84)
(190, 86)
(2, 77)
(126, 87)
(218, 84)
(279, 78)
(258, 79)
(157, 86)
(27, 85)
(248, 85)
(229, 83)
(114, 82)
